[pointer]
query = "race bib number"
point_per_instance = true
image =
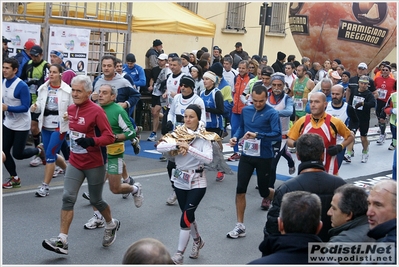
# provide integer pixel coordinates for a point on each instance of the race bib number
(298, 104)
(183, 178)
(208, 117)
(75, 148)
(251, 147)
(382, 94)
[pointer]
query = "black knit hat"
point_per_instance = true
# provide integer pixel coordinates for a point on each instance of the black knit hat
(187, 80)
(156, 42)
(217, 68)
(130, 58)
(347, 73)
(196, 108)
(281, 55)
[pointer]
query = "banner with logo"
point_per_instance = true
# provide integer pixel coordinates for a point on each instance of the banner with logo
(19, 34)
(74, 44)
(353, 32)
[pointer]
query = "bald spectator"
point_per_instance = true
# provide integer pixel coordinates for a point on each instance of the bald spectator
(348, 215)
(381, 211)
(147, 251)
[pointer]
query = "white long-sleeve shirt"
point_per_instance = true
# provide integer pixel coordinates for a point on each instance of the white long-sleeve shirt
(199, 153)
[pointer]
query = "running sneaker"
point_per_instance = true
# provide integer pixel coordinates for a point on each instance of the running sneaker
(291, 170)
(365, 157)
(58, 170)
(110, 234)
(152, 137)
(381, 139)
(172, 198)
(36, 161)
(220, 177)
(238, 231)
(163, 159)
(43, 191)
(138, 196)
(225, 134)
(266, 202)
(347, 158)
(178, 258)
(235, 157)
(94, 223)
(131, 182)
(42, 153)
(86, 195)
(136, 145)
(196, 247)
(12, 183)
(56, 244)
(391, 147)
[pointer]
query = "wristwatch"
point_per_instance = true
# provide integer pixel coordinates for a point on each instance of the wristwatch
(116, 137)
(256, 134)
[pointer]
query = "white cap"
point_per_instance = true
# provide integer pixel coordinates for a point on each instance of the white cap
(362, 65)
(163, 57)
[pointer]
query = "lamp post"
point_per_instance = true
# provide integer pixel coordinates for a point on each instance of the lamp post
(262, 22)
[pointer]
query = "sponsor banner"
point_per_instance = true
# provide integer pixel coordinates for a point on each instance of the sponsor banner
(352, 253)
(74, 44)
(19, 34)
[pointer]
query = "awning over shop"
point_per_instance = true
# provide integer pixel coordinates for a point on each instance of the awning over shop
(162, 17)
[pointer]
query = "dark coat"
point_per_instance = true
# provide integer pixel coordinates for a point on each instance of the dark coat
(319, 183)
(352, 231)
(286, 249)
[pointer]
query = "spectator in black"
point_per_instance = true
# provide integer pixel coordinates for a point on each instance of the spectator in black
(238, 55)
(151, 57)
(5, 47)
(299, 223)
(312, 178)
(278, 66)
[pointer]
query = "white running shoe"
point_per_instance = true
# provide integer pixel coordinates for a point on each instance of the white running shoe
(58, 170)
(94, 223)
(238, 231)
(42, 191)
(138, 196)
(131, 182)
(196, 247)
(178, 258)
(172, 198)
(36, 161)
(381, 139)
(365, 157)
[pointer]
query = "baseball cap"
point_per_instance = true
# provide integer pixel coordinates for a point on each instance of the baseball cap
(362, 65)
(130, 58)
(36, 50)
(29, 44)
(238, 44)
(5, 40)
(364, 79)
(216, 47)
(163, 57)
